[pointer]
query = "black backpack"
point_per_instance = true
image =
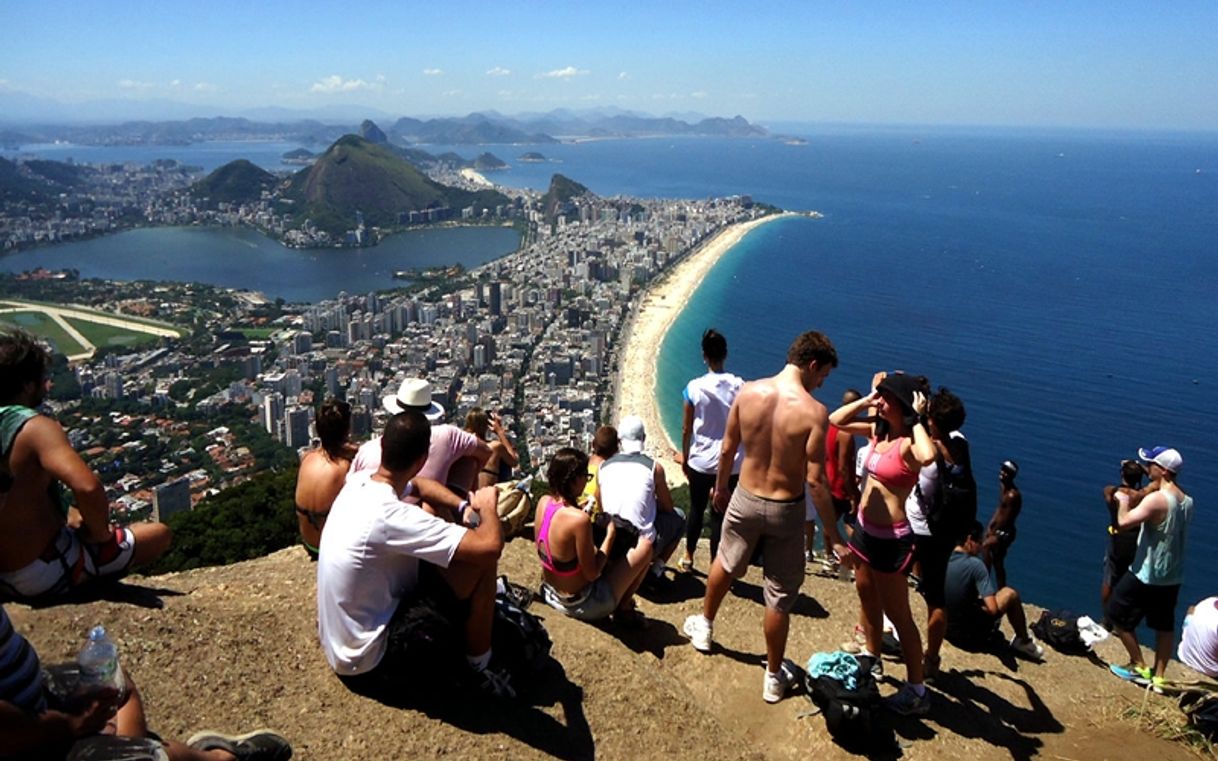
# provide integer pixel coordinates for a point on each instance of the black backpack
(1201, 708)
(1059, 628)
(847, 712)
(518, 637)
(954, 507)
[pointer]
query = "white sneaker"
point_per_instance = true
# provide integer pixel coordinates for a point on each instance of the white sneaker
(775, 687)
(700, 632)
(1028, 647)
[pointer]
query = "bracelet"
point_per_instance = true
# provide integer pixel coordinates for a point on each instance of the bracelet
(462, 507)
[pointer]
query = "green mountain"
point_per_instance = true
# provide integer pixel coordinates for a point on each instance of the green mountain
(355, 175)
(562, 191)
(236, 182)
(488, 162)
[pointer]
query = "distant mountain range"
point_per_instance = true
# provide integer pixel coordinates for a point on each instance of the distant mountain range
(478, 128)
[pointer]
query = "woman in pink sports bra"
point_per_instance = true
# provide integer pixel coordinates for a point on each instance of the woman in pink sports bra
(883, 544)
(579, 579)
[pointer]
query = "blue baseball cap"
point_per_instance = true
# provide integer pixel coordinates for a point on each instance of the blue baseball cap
(1165, 457)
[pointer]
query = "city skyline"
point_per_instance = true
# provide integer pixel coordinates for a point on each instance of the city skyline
(1080, 64)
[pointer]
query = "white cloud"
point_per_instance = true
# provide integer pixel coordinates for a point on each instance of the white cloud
(700, 94)
(132, 84)
(564, 73)
(623, 75)
(450, 93)
(206, 87)
(335, 83)
(175, 83)
(498, 71)
(433, 72)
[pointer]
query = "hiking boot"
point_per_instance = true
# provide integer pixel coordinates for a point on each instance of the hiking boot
(775, 686)
(1028, 648)
(494, 682)
(907, 702)
(263, 745)
(700, 632)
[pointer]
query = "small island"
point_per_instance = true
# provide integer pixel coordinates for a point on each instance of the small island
(300, 156)
(532, 157)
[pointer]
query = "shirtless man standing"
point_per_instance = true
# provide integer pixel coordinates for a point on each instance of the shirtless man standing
(50, 542)
(1000, 534)
(782, 429)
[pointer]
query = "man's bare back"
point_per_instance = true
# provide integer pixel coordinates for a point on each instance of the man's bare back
(782, 429)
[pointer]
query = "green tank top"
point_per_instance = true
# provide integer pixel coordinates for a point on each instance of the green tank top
(13, 418)
(1160, 557)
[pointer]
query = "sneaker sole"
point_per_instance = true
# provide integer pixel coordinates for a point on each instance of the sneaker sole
(223, 741)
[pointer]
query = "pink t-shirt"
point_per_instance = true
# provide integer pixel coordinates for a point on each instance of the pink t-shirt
(448, 444)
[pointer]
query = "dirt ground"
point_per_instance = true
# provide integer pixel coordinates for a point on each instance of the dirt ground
(235, 648)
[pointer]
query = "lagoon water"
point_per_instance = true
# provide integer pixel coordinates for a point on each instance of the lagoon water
(240, 258)
(1061, 282)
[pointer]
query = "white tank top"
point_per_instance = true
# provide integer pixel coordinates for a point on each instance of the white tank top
(628, 490)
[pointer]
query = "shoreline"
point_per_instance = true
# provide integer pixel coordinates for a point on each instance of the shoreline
(644, 334)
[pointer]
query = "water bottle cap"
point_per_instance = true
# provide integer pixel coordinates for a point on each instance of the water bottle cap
(97, 633)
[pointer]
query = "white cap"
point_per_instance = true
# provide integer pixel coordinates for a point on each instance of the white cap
(1165, 457)
(630, 434)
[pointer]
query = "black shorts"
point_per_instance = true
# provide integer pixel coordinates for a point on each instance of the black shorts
(972, 628)
(1132, 600)
(883, 555)
(932, 553)
(841, 506)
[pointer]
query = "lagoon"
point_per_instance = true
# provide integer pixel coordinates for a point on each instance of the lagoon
(240, 258)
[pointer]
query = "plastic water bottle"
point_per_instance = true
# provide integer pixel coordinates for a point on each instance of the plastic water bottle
(98, 661)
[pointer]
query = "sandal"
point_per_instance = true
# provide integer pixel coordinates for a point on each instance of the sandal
(685, 565)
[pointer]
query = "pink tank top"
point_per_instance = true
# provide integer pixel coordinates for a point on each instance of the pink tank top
(890, 468)
(561, 567)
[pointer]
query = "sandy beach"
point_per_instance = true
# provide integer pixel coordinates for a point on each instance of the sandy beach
(644, 335)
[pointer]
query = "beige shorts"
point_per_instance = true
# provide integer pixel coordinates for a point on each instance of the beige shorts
(779, 526)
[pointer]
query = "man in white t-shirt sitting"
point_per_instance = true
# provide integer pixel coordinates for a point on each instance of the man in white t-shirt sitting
(380, 557)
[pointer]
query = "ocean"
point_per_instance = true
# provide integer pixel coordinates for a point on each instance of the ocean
(1061, 282)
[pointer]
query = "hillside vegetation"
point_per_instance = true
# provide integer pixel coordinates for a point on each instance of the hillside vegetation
(355, 175)
(236, 182)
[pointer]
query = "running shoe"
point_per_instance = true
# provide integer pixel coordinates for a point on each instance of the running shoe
(263, 745)
(1135, 674)
(700, 632)
(494, 682)
(775, 686)
(1028, 648)
(907, 702)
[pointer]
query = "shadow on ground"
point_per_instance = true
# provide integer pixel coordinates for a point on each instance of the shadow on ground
(520, 719)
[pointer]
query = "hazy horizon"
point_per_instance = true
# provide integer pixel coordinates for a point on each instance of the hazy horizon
(1108, 65)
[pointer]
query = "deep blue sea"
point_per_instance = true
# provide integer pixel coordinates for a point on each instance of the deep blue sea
(1060, 282)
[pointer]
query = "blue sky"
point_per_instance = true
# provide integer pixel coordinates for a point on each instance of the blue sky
(1105, 64)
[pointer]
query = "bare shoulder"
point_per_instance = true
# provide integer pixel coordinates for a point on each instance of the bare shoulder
(39, 431)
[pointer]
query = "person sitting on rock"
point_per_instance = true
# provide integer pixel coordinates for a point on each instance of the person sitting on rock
(38, 721)
(322, 472)
(454, 456)
(975, 606)
(1199, 643)
(633, 487)
(580, 580)
(382, 558)
(503, 457)
(55, 530)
